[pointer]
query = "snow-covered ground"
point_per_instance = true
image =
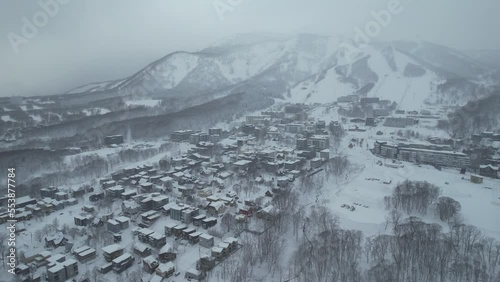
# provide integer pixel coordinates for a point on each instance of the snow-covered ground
(480, 202)
(7, 118)
(147, 103)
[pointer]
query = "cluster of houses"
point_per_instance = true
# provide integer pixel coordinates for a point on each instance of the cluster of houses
(52, 199)
(116, 259)
(187, 195)
(58, 267)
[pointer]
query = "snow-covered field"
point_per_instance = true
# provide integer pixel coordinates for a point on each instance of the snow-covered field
(480, 202)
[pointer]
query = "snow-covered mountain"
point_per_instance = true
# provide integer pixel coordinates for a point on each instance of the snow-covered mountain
(228, 63)
(310, 68)
(408, 76)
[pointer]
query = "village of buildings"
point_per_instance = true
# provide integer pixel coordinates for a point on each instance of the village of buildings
(164, 219)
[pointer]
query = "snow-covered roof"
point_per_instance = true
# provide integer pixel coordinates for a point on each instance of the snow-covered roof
(166, 267)
(489, 166)
(166, 249)
(122, 258)
(206, 236)
(140, 247)
(112, 248)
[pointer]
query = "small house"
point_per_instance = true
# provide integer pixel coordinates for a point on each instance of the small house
(206, 240)
(167, 253)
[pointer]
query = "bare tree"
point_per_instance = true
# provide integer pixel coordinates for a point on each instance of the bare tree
(227, 221)
(447, 208)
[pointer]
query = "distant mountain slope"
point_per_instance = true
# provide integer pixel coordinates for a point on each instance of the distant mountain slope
(443, 60)
(401, 72)
(311, 68)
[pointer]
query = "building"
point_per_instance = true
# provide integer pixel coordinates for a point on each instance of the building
(197, 219)
(301, 144)
(370, 121)
(319, 142)
(62, 270)
(24, 201)
(150, 264)
(165, 270)
(215, 208)
(142, 250)
(206, 240)
(113, 226)
(348, 99)
(84, 254)
(488, 171)
(113, 140)
(476, 179)
(381, 112)
(194, 274)
(55, 241)
(438, 155)
(177, 230)
(49, 192)
(157, 240)
(266, 213)
(122, 262)
(258, 120)
(325, 154)
(194, 237)
(176, 212)
(61, 196)
(111, 252)
(248, 129)
(206, 263)
(123, 221)
(143, 235)
(188, 214)
(399, 122)
(94, 197)
(295, 128)
(115, 191)
(167, 253)
(232, 244)
(198, 137)
(181, 135)
(83, 220)
(386, 150)
(316, 162)
(130, 208)
(208, 222)
(370, 100)
(215, 131)
(71, 268)
(169, 228)
(149, 217)
(56, 273)
(217, 253)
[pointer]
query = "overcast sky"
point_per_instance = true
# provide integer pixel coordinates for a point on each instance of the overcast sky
(95, 40)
